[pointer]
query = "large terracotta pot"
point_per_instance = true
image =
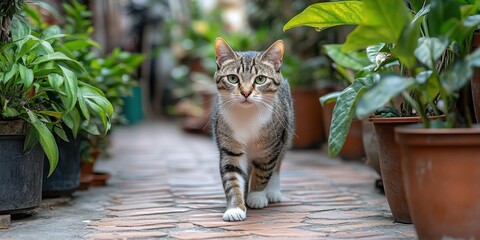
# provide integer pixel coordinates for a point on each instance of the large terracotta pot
(441, 170)
(353, 147)
(308, 118)
(475, 81)
(391, 164)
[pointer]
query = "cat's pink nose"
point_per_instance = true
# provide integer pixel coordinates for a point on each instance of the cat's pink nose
(246, 93)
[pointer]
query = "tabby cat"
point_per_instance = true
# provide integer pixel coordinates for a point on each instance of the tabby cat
(252, 123)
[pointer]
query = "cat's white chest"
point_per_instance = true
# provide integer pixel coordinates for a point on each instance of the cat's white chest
(246, 124)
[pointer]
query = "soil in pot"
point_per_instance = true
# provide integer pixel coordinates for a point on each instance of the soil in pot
(441, 169)
(391, 165)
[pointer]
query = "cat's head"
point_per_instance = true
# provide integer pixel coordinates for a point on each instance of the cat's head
(248, 79)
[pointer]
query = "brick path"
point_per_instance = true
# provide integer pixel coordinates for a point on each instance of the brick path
(167, 185)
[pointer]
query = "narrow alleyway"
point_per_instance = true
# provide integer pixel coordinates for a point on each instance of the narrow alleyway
(166, 185)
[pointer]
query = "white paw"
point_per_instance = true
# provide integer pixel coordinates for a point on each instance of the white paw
(257, 200)
(274, 196)
(234, 214)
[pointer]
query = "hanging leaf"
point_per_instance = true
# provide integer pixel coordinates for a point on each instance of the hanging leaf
(353, 60)
(329, 14)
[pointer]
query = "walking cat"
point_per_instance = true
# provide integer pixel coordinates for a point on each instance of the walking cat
(252, 123)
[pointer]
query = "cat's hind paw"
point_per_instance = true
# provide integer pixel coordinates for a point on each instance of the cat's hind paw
(274, 196)
(257, 200)
(234, 214)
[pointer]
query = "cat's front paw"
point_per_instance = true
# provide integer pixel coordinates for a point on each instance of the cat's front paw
(234, 214)
(274, 196)
(257, 200)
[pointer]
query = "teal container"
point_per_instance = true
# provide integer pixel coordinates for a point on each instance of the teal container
(132, 108)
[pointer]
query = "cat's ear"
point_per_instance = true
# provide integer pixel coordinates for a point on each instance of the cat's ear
(223, 52)
(274, 54)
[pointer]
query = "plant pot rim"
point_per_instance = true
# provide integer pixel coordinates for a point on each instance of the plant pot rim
(420, 129)
(16, 127)
(402, 119)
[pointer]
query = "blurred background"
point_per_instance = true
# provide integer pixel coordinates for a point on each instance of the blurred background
(175, 78)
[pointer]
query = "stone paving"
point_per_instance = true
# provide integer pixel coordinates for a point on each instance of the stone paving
(167, 185)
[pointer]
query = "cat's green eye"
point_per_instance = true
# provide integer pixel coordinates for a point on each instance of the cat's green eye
(232, 78)
(260, 80)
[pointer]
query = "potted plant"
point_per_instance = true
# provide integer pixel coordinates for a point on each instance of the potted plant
(38, 90)
(427, 82)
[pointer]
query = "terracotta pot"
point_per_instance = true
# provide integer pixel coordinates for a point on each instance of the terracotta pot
(391, 164)
(475, 81)
(308, 118)
(353, 147)
(441, 170)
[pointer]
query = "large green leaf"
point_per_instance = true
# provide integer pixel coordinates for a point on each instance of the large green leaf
(99, 105)
(457, 76)
(26, 75)
(329, 97)
(440, 12)
(26, 47)
(383, 23)
(70, 85)
(20, 29)
(55, 81)
(387, 88)
(329, 14)
(12, 72)
(408, 43)
(46, 139)
(73, 120)
(353, 60)
(429, 50)
(342, 116)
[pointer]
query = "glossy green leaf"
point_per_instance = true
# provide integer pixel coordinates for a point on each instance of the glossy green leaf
(100, 106)
(46, 139)
(56, 56)
(54, 114)
(329, 98)
(373, 50)
(429, 50)
(457, 76)
(12, 72)
(20, 29)
(342, 116)
(8, 112)
(31, 140)
(380, 24)
(440, 12)
(418, 4)
(387, 88)
(26, 75)
(26, 47)
(51, 32)
(407, 44)
(353, 60)
(70, 85)
(328, 14)
(61, 133)
(73, 121)
(55, 81)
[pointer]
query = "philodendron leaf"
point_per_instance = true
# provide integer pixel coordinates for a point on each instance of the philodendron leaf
(328, 14)
(429, 50)
(342, 116)
(46, 139)
(457, 76)
(329, 97)
(387, 88)
(353, 60)
(383, 23)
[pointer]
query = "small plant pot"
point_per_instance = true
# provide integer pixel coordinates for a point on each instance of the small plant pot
(475, 80)
(20, 175)
(390, 159)
(441, 170)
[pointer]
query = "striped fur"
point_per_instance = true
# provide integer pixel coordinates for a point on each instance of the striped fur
(252, 124)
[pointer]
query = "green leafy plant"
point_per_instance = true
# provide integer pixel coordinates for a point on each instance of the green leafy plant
(38, 84)
(420, 53)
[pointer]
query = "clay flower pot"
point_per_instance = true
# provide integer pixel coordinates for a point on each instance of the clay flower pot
(391, 164)
(441, 170)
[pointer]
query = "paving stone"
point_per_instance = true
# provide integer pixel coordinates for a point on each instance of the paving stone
(126, 235)
(254, 226)
(149, 211)
(208, 235)
(344, 214)
(131, 228)
(136, 206)
(5, 221)
(126, 222)
(356, 235)
(289, 232)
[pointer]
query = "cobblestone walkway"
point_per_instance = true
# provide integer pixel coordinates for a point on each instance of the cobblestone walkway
(167, 185)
